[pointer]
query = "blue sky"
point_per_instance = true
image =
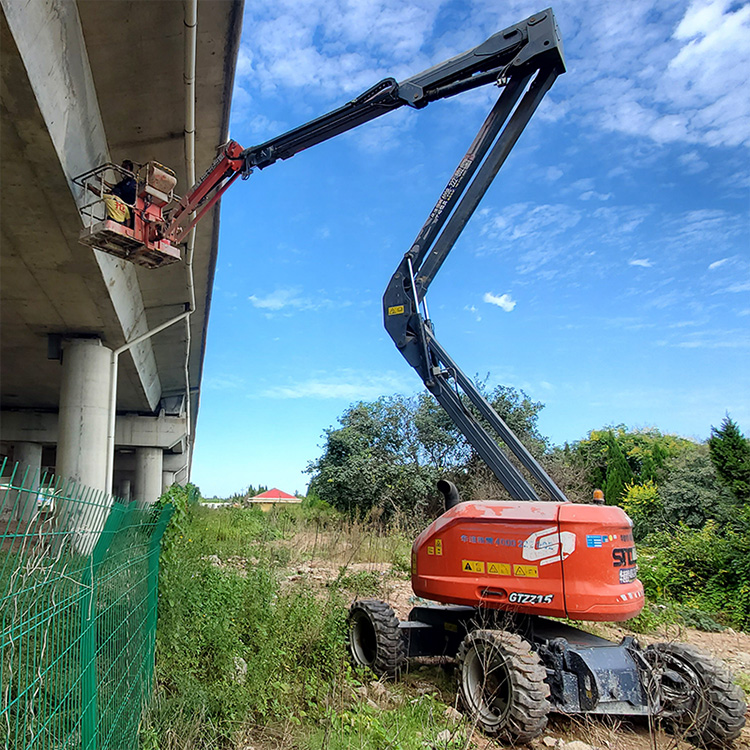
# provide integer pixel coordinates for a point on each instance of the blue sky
(606, 273)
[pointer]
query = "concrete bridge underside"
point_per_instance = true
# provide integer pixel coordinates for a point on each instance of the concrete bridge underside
(83, 83)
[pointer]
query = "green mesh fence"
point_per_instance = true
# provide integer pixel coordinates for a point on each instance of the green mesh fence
(78, 592)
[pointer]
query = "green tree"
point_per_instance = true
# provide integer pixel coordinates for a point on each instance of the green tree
(618, 472)
(730, 454)
(521, 414)
(646, 452)
(374, 459)
(693, 494)
(390, 453)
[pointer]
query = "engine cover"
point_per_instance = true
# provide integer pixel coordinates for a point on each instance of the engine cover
(554, 559)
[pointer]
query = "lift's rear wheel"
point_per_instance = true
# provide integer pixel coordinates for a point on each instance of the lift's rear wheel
(501, 685)
(374, 637)
(695, 694)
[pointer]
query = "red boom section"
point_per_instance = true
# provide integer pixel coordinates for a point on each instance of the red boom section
(225, 169)
(555, 559)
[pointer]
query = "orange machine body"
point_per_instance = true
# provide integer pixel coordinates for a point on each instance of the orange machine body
(554, 559)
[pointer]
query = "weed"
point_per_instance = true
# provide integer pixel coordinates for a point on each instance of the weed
(694, 618)
(362, 583)
(653, 617)
(236, 650)
(743, 680)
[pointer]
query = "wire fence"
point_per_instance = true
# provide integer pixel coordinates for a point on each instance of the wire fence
(78, 593)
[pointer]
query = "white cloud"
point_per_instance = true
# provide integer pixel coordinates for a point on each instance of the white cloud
(504, 301)
(642, 262)
(333, 48)
(718, 339)
(226, 382)
(670, 72)
(277, 300)
(692, 162)
(708, 226)
(289, 299)
(474, 311)
(349, 385)
(592, 194)
(556, 240)
(718, 263)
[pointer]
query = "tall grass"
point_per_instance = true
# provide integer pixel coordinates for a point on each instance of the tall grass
(246, 649)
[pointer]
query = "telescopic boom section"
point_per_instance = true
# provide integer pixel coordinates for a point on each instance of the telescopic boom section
(536, 61)
(492, 61)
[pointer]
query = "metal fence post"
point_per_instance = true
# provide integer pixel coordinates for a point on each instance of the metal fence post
(153, 587)
(89, 708)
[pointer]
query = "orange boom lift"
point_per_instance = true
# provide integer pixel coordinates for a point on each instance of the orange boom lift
(498, 573)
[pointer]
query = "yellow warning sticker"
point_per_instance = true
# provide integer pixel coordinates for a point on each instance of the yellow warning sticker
(396, 310)
(498, 569)
(438, 546)
(450, 626)
(526, 571)
(430, 550)
(472, 566)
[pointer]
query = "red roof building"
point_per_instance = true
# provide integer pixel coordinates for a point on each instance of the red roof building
(273, 497)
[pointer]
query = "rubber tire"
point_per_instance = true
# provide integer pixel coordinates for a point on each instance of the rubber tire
(375, 639)
(522, 693)
(717, 714)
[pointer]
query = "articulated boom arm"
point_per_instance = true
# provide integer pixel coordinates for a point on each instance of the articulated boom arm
(516, 48)
(536, 64)
(525, 60)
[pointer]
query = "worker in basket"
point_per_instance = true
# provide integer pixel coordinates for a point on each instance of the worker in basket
(121, 197)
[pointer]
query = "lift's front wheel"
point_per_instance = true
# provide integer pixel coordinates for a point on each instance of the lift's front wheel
(501, 685)
(695, 694)
(374, 637)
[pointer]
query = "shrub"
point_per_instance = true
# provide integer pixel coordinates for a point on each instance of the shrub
(642, 503)
(706, 569)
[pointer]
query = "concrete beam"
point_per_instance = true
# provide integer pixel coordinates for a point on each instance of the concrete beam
(155, 432)
(50, 41)
(130, 431)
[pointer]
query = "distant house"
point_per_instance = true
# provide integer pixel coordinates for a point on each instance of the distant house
(272, 497)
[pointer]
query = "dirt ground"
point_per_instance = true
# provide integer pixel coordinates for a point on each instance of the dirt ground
(730, 646)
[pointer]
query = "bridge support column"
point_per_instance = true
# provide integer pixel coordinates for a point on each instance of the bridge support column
(125, 490)
(167, 480)
(148, 475)
(84, 411)
(29, 458)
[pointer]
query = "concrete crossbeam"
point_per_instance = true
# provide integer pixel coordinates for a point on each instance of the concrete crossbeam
(131, 431)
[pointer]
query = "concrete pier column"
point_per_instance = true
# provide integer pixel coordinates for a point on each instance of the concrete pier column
(167, 480)
(29, 459)
(125, 490)
(82, 443)
(84, 410)
(148, 475)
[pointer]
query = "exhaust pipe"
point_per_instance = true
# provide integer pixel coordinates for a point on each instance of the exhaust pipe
(449, 492)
